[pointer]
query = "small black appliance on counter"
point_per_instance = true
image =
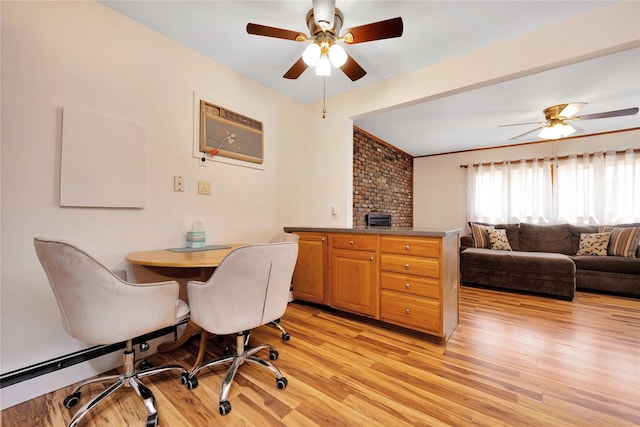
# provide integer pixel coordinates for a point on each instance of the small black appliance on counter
(377, 220)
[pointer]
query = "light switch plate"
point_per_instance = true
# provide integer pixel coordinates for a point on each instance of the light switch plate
(204, 188)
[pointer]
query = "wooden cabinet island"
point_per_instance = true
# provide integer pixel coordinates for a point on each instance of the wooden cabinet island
(402, 276)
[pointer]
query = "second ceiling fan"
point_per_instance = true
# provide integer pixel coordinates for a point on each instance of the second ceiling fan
(325, 21)
(555, 125)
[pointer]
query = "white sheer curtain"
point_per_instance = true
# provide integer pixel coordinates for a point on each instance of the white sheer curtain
(598, 188)
(510, 192)
(601, 188)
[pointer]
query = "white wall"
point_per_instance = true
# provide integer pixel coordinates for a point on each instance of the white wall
(442, 205)
(84, 55)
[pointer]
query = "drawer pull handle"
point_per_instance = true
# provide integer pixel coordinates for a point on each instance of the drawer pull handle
(407, 285)
(370, 258)
(351, 242)
(407, 311)
(407, 266)
(407, 247)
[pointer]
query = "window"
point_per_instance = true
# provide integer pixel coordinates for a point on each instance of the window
(599, 188)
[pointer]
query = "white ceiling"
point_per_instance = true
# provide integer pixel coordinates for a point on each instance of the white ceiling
(434, 31)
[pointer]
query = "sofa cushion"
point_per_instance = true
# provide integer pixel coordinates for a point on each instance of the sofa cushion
(576, 231)
(523, 261)
(594, 244)
(623, 241)
(546, 238)
(466, 241)
(545, 273)
(513, 231)
(498, 240)
(480, 236)
(613, 264)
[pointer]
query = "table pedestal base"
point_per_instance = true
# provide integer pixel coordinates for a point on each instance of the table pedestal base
(190, 330)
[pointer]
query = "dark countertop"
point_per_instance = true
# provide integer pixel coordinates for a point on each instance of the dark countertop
(401, 231)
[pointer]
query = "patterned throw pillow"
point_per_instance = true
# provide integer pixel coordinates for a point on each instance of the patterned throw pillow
(593, 244)
(498, 240)
(480, 238)
(623, 241)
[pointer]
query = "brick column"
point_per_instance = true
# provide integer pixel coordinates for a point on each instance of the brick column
(382, 180)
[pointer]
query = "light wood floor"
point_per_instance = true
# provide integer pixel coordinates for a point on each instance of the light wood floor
(513, 361)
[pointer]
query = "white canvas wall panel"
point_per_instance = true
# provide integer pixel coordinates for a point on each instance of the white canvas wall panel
(103, 161)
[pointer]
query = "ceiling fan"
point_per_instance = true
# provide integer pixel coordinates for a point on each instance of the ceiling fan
(555, 126)
(325, 21)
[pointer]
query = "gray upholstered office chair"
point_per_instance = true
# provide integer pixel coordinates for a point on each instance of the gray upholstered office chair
(250, 288)
(98, 307)
(283, 237)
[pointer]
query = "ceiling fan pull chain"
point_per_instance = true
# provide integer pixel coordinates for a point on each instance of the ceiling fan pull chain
(324, 97)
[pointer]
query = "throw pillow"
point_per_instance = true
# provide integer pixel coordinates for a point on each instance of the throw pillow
(594, 244)
(498, 240)
(623, 241)
(480, 238)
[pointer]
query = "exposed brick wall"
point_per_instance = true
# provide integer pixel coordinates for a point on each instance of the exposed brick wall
(382, 180)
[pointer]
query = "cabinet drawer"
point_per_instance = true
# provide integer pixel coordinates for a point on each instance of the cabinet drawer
(360, 242)
(429, 267)
(413, 285)
(424, 246)
(417, 313)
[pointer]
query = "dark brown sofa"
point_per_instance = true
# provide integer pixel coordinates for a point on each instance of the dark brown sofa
(543, 260)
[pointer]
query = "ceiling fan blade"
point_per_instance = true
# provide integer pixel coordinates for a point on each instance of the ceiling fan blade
(571, 109)
(530, 131)
(615, 113)
(279, 33)
(519, 124)
(578, 129)
(352, 69)
(296, 70)
(387, 29)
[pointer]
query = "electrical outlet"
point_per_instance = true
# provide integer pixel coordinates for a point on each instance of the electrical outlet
(204, 187)
(178, 183)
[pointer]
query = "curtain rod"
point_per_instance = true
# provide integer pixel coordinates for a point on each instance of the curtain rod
(475, 165)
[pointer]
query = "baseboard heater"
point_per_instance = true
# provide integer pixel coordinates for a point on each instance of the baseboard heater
(52, 365)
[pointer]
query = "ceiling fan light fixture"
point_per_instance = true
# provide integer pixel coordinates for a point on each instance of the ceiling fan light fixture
(557, 131)
(323, 68)
(324, 22)
(311, 55)
(337, 55)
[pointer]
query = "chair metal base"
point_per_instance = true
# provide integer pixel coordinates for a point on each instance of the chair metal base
(130, 378)
(242, 354)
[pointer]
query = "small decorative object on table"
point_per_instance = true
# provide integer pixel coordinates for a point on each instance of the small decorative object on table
(196, 238)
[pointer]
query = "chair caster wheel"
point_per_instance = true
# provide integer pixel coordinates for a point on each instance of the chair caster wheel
(282, 383)
(225, 407)
(286, 337)
(72, 400)
(152, 421)
(191, 383)
(144, 365)
(273, 354)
